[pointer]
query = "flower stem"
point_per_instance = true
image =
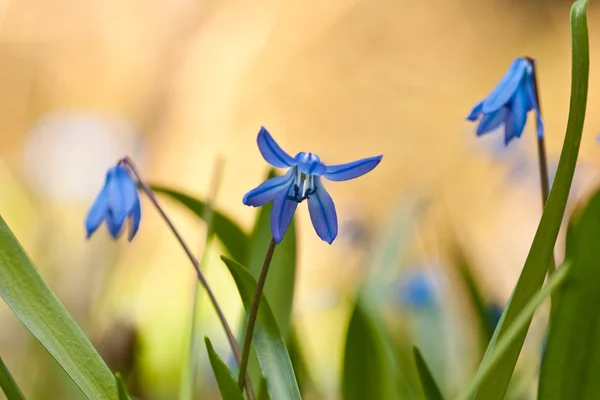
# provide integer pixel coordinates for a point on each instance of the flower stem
(232, 342)
(260, 285)
(544, 176)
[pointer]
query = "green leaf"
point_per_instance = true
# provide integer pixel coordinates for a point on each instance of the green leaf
(268, 342)
(366, 373)
(513, 333)
(225, 380)
(279, 288)
(572, 359)
(540, 254)
(430, 388)
(25, 292)
(8, 384)
(122, 387)
(234, 239)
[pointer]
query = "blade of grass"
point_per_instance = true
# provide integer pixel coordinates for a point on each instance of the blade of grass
(227, 385)
(8, 384)
(430, 388)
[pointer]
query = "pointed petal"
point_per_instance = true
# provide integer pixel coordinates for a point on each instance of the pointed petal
(492, 121)
(134, 219)
(534, 104)
(507, 86)
(519, 110)
(509, 128)
(122, 194)
(271, 152)
(97, 213)
(267, 190)
(114, 227)
(322, 213)
(282, 214)
(351, 170)
(475, 112)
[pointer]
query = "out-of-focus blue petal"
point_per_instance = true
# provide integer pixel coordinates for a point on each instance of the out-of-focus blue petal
(322, 213)
(351, 170)
(134, 219)
(536, 108)
(116, 198)
(490, 122)
(507, 86)
(267, 190)
(271, 152)
(474, 114)
(281, 215)
(519, 109)
(509, 128)
(114, 226)
(97, 213)
(417, 291)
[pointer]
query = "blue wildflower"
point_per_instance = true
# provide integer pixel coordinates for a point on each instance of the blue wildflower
(117, 201)
(509, 103)
(302, 182)
(417, 291)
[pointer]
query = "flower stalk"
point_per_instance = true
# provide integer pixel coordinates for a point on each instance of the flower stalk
(253, 315)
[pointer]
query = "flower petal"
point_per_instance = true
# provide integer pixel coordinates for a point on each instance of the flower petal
(492, 121)
(122, 194)
(114, 226)
(533, 104)
(267, 190)
(519, 109)
(509, 128)
(351, 170)
(282, 214)
(507, 86)
(134, 219)
(97, 213)
(322, 213)
(271, 152)
(475, 112)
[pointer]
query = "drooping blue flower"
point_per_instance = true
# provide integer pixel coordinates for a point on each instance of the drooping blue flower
(509, 103)
(303, 181)
(117, 202)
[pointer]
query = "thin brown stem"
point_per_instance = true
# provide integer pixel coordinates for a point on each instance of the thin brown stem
(232, 342)
(252, 316)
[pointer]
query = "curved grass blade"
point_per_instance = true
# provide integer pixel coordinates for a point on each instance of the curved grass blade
(234, 239)
(430, 388)
(572, 358)
(227, 384)
(540, 254)
(520, 325)
(272, 354)
(8, 384)
(122, 387)
(28, 296)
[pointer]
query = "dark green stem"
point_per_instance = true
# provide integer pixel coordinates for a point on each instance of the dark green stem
(260, 285)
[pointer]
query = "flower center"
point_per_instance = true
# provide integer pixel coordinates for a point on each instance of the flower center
(297, 191)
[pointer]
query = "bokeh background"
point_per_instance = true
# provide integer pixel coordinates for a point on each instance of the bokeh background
(179, 84)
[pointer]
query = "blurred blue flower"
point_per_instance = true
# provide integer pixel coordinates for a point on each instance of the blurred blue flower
(509, 103)
(117, 202)
(417, 291)
(288, 190)
(494, 313)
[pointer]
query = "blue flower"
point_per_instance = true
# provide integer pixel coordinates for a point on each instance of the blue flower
(509, 103)
(418, 291)
(117, 202)
(303, 181)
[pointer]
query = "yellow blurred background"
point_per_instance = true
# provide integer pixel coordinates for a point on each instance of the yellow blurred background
(178, 84)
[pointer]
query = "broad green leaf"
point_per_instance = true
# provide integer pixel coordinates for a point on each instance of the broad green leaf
(234, 239)
(520, 325)
(122, 387)
(367, 373)
(430, 388)
(540, 254)
(225, 380)
(8, 384)
(25, 292)
(268, 342)
(279, 288)
(572, 359)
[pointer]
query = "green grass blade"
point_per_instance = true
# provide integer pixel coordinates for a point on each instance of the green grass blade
(430, 388)
(123, 395)
(272, 354)
(8, 384)
(234, 239)
(540, 254)
(227, 384)
(572, 360)
(25, 292)
(520, 325)
(279, 288)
